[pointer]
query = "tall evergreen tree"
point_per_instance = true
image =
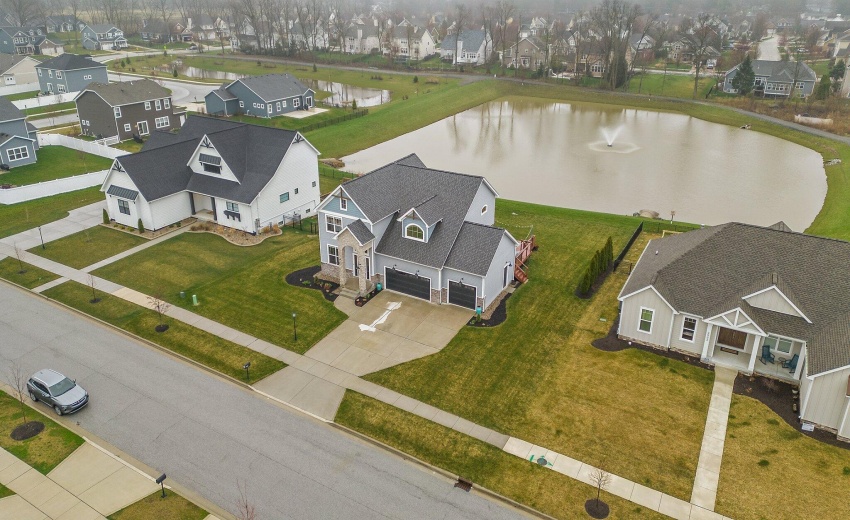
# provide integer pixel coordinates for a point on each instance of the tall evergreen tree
(745, 78)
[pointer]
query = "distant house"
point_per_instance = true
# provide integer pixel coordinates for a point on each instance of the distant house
(27, 40)
(307, 37)
(60, 23)
(241, 176)
(103, 37)
(155, 31)
(777, 79)
(641, 47)
(269, 95)
(206, 28)
(361, 39)
(529, 53)
(409, 42)
(126, 109)
(474, 47)
(759, 300)
(18, 142)
(69, 73)
(17, 69)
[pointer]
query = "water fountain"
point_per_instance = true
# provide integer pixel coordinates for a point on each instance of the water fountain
(610, 135)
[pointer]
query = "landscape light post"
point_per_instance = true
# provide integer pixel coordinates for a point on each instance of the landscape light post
(246, 366)
(160, 481)
(294, 328)
(41, 236)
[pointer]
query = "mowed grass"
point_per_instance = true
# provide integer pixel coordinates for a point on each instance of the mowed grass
(56, 107)
(15, 218)
(5, 492)
(44, 451)
(242, 287)
(55, 162)
(764, 458)
(172, 507)
(672, 86)
(291, 123)
(22, 95)
(209, 350)
(31, 277)
(88, 246)
(487, 466)
(536, 377)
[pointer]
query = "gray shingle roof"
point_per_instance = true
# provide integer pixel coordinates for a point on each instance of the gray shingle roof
(360, 231)
(471, 40)
(707, 271)
(102, 27)
(8, 111)
(474, 248)
(252, 152)
(7, 61)
(70, 62)
(272, 87)
(128, 92)
(782, 71)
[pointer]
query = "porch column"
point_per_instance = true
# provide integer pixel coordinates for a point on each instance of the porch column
(361, 269)
(343, 275)
(707, 343)
(799, 368)
(756, 346)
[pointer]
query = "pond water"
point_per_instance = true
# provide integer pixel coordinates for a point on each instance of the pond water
(341, 94)
(557, 154)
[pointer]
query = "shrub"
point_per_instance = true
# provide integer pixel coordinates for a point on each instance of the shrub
(764, 462)
(141, 226)
(314, 68)
(174, 72)
(105, 216)
(353, 104)
(306, 283)
(416, 79)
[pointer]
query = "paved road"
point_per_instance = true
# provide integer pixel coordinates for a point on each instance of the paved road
(208, 434)
(769, 49)
(65, 119)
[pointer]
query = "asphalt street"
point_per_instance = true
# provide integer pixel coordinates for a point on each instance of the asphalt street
(212, 436)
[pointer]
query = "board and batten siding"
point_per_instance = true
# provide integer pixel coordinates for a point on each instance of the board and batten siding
(827, 399)
(99, 115)
(170, 209)
(215, 105)
(493, 286)
(299, 169)
(483, 197)
(661, 319)
(246, 215)
(772, 300)
(138, 208)
(678, 343)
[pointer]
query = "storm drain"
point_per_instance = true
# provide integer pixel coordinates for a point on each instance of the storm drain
(464, 484)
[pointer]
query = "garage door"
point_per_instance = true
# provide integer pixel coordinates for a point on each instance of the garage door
(463, 295)
(411, 284)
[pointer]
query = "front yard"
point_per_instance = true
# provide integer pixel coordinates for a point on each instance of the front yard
(55, 162)
(31, 277)
(88, 247)
(242, 287)
(15, 218)
(172, 507)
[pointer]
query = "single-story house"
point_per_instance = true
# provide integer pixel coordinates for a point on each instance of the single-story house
(69, 73)
(238, 175)
(776, 78)
(18, 140)
(18, 69)
(422, 232)
(269, 95)
(762, 300)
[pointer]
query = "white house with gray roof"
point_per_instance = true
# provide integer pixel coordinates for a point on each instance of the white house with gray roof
(422, 232)
(234, 174)
(473, 47)
(776, 78)
(759, 300)
(267, 96)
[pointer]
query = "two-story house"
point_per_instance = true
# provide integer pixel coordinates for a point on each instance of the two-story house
(17, 69)
(27, 40)
(529, 53)
(69, 73)
(238, 175)
(59, 23)
(422, 232)
(361, 39)
(472, 47)
(103, 37)
(776, 79)
(269, 95)
(18, 141)
(409, 42)
(126, 109)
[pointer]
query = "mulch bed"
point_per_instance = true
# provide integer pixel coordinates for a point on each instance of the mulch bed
(497, 317)
(777, 396)
(597, 509)
(27, 430)
(360, 301)
(611, 343)
(298, 277)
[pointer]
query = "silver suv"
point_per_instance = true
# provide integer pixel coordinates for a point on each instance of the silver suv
(53, 389)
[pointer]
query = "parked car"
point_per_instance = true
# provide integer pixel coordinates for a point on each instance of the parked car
(55, 390)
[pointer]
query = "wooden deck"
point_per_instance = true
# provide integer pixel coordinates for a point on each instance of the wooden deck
(523, 252)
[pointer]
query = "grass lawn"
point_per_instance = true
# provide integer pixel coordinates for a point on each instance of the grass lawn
(486, 465)
(5, 492)
(172, 507)
(129, 146)
(88, 246)
(242, 287)
(55, 162)
(48, 115)
(537, 377)
(219, 354)
(764, 458)
(70, 105)
(31, 277)
(290, 123)
(15, 218)
(22, 95)
(330, 178)
(673, 86)
(44, 451)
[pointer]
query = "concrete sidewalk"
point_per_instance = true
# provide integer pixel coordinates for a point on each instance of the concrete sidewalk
(714, 438)
(77, 220)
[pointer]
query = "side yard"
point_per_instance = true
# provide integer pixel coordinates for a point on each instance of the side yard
(88, 247)
(55, 162)
(15, 218)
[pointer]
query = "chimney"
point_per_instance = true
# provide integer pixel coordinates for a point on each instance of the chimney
(189, 23)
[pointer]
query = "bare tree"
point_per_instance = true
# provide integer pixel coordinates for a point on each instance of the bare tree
(18, 381)
(245, 509)
(613, 20)
(19, 253)
(92, 284)
(504, 12)
(488, 22)
(600, 479)
(161, 307)
(24, 11)
(702, 35)
(461, 19)
(638, 54)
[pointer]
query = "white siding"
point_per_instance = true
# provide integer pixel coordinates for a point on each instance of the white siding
(678, 343)
(202, 202)
(246, 214)
(630, 316)
(298, 169)
(171, 209)
(482, 197)
(772, 300)
(828, 399)
(138, 208)
(196, 166)
(505, 254)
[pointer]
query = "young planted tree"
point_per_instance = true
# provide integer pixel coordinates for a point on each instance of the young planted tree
(92, 284)
(19, 253)
(600, 480)
(245, 509)
(18, 381)
(161, 307)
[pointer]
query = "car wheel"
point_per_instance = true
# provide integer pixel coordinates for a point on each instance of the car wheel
(57, 410)
(33, 397)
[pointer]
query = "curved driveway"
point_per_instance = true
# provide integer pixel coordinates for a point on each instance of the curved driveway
(208, 434)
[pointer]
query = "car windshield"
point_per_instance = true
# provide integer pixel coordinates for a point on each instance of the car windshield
(61, 387)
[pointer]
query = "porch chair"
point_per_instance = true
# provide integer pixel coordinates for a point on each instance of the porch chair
(766, 355)
(791, 364)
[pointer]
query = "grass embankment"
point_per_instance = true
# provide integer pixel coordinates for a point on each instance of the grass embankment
(88, 246)
(55, 162)
(22, 95)
(31, 277)
(44, 451)
(242, 287)
(172, 507)
(15, 218)
(536, 377)
(57, 107)
(765, 458)
(486, 465)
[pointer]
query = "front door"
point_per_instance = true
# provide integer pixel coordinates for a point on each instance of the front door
(143, 127)
(368, 268)
(356, 266)
(732, 338)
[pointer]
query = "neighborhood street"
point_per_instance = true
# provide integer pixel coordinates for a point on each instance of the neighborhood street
(769, 49)
(212, 436)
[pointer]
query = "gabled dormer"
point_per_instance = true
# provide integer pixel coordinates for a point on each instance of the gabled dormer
(416, 226)
(774, 299)
(206, 160)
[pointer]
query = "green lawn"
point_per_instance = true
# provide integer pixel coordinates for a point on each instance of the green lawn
(88, 246)
(70, 105)
(290, 123)
(22, 95)
(671, 86)
(330, 178)
(44, 451)
(764, 458)
(48, 115)
(172, 507)
(219, 354)
(242, 287)
(129, 146)
(32, 276)
(5, 492)
(487, 466)
(15, 218)
(55, 162)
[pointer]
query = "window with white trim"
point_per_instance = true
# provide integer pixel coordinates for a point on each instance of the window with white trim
(87, 76)
(127, 127)
(777, 344)
(58, 74)
(314, 184)
(241, 104)
(333, 224)
(283, 103)
(277, 106)
(333, 255)
(166, 103)
(147, 105)
(415, 232)
(39, 70)
(50, 73)
(161, 122)
(689, 328)
(158, 104)
(123, 206)
(295, 191)
(16, 154)
(645, 322)
(343, 204)
(232, 206)
(142, 126)
(269, 108)
(296, 102)
(284, 197)
(62, 89)
(117, 111)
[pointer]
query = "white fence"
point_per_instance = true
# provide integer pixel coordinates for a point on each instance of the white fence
(54, 187)
(43, 101)
(78, 144)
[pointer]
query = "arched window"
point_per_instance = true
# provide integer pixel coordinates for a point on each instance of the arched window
(414, 231)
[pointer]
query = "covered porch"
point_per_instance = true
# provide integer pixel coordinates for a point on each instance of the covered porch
(355, 242)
